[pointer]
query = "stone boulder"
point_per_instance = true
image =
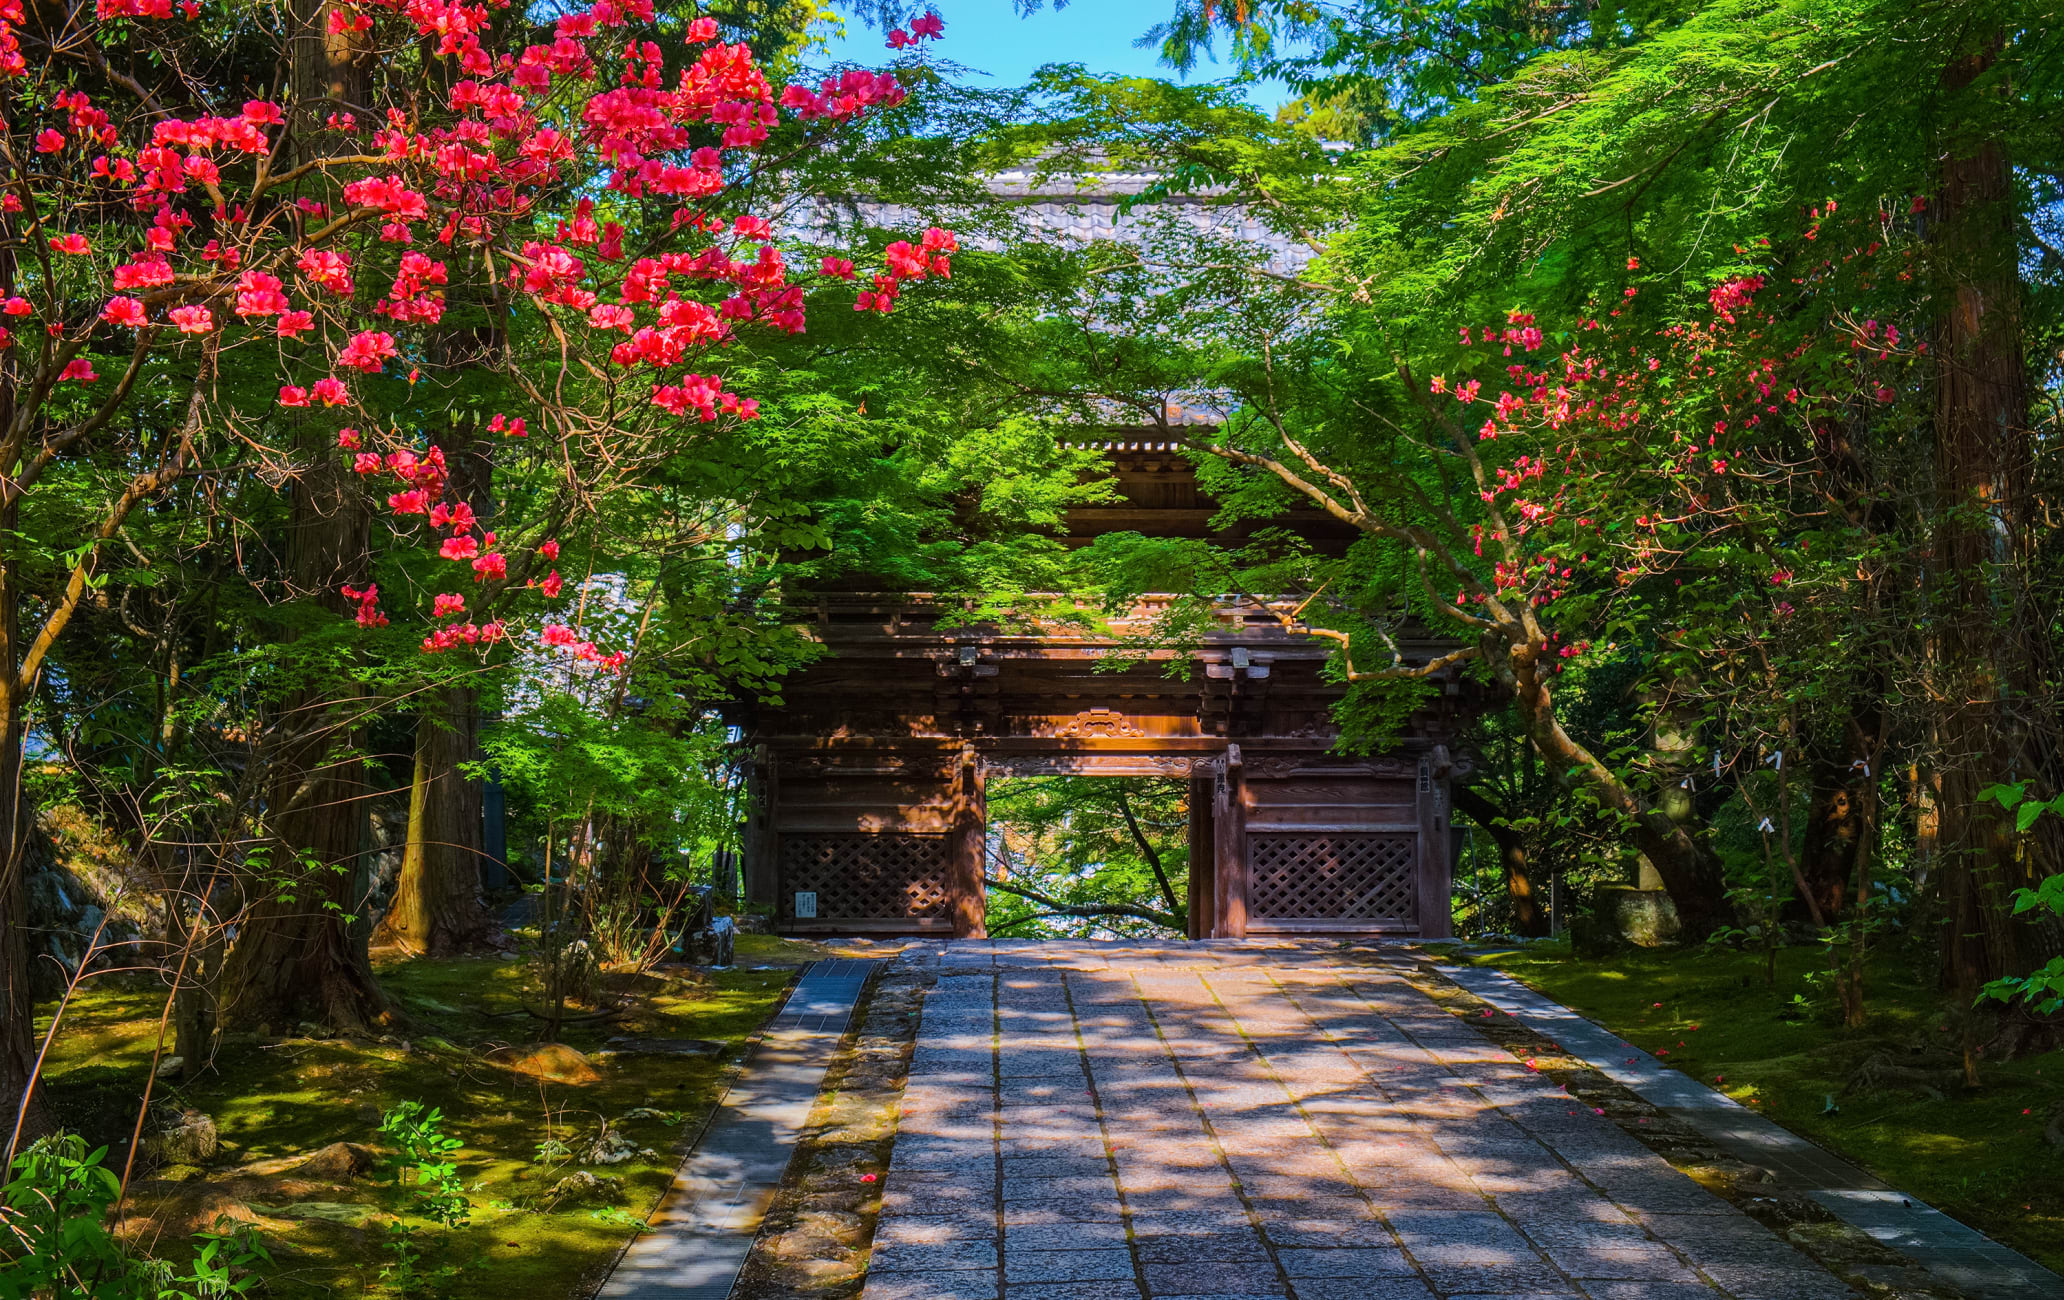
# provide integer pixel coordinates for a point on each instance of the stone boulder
(582, 1188)
(1623, 916)
(187, 1138)
(551, 1062)
(338, 1162)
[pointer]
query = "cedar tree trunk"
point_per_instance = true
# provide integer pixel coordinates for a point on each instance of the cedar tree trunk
(1983, 470)
(295, 955)
(437, 909)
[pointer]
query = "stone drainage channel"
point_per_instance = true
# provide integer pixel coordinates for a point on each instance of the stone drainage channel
(1150, 1121)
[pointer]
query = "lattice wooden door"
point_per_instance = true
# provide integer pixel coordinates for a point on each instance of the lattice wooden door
(865, 877)
(1332, 876)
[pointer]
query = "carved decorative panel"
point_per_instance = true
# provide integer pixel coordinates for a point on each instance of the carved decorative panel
(1098, 724)
(1333, 876)
(884, 877)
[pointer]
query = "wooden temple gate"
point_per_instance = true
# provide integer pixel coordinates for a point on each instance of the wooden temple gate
(868, 809)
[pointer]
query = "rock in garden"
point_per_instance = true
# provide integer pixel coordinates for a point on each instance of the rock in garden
(611, 1147)
(338, 1161)
(583, 1188)
(188, 1138)
(553, 1062)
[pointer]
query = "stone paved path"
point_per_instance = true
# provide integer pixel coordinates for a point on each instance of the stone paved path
(1098, 1123)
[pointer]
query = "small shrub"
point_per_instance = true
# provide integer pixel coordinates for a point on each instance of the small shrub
(423, 1150)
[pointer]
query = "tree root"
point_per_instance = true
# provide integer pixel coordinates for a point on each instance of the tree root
(1880, 1073)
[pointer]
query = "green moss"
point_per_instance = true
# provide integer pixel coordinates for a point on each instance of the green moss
(1980, 1156)
(765, 949)
(282, 1098)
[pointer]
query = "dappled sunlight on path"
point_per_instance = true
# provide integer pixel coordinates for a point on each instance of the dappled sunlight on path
(1106, 1122)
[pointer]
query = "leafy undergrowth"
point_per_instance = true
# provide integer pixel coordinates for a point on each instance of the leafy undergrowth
(276, 1100)
(1981, 1156)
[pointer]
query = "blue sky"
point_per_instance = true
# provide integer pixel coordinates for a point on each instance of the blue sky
(988, 35)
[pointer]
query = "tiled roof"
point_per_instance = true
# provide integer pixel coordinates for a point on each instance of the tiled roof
(1081, 209)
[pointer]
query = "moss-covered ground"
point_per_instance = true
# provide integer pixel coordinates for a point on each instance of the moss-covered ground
(1979, 1155)
(276, 1099)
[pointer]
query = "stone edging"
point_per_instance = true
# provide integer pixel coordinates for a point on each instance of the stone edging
(691, 1137)
(1843, 1250)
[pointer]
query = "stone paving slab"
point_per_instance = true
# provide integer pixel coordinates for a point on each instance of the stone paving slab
(1138, 1122)
(704, 1226)
(1960, 1255)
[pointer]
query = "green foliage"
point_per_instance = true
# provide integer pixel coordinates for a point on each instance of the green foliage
(2042, 988)
(55, 1239)
(1372, 714)
(1741, 559)
(404, 1272)
(1069, 841)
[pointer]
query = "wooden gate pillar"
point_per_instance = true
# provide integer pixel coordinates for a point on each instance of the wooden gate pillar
(762, 789)
(1433, 885)
(1203, 893)
(969, 849)
(1229, 859)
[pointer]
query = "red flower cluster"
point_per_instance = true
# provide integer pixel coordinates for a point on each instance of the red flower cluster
(1733, 295)
(367, 351)
(368, 600)
(927, 27)
(458, 634)
(559, 636)
(906, 262)
(845, 96)
(469, 172)
(705, 395)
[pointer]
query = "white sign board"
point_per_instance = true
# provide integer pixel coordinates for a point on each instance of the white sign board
(806, 904)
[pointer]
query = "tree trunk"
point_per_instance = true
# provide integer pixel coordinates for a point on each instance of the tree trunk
(437, 909)
(1527, 917)
(1983, 472)
(296, 955)
(1834, 831)
(17, 1002)
(299, 951)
